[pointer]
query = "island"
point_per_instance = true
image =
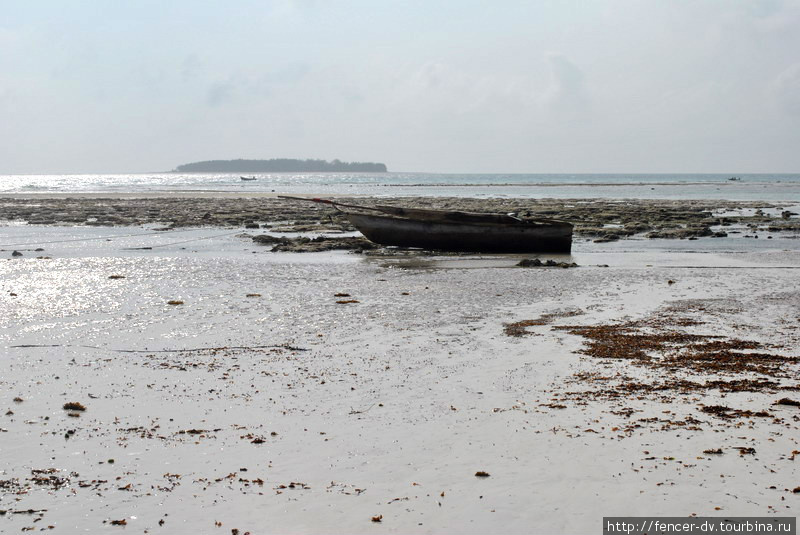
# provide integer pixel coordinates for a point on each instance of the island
(280, 165)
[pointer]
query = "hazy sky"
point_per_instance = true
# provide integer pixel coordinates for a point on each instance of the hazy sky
(440, 86)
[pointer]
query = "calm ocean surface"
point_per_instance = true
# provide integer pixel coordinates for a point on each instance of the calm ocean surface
(768, 187)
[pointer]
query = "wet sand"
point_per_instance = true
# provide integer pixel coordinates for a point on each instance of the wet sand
(308, 393)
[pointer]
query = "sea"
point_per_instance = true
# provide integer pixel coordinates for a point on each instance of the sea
(736, 187)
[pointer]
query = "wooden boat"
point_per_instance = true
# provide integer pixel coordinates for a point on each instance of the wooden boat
(445, 230)
(247, 177)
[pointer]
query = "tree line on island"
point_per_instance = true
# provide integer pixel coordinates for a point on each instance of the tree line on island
(280, 165)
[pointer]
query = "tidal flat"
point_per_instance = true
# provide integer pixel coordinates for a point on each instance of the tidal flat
(230, 387)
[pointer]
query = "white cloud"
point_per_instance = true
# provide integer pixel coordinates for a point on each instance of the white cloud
(776, 16)
(567, 93)
(191, 67)
(219, 93)
(786, 89)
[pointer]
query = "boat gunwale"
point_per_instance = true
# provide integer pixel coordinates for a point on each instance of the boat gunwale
(522, 223)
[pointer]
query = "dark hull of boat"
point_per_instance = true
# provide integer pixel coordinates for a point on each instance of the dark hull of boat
(550, 237)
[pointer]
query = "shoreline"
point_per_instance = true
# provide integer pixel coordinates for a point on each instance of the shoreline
(274, 194)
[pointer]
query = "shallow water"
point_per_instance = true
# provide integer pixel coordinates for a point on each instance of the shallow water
(783, 187)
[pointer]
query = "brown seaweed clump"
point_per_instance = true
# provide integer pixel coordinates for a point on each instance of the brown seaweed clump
(518, 328)
(74, 406)
(672, 362)
(673, 349)
(721, 411)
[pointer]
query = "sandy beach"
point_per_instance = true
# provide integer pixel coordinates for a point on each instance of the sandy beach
(219, 386)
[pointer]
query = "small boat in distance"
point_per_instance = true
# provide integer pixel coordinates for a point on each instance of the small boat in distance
(446, 230)
(247, 177)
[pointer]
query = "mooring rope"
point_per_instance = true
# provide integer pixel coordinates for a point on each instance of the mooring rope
(181, 242)
(90, 239)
